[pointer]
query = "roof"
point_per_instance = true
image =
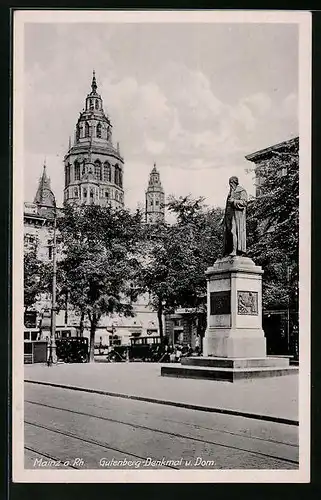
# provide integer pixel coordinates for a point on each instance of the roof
(44, 195)
(265, 153)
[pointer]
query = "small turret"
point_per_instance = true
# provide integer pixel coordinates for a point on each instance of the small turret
(44, 197)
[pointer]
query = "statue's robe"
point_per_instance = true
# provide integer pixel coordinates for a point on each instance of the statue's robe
(235, 222)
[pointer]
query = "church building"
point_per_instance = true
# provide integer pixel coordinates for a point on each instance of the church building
(93, 174)
(93, 165)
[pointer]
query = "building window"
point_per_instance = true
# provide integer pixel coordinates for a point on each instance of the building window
(76, 192)
(98, 130)
(30, 241)
(98, 169)
(120, 178)
(106, 194)
(77, 171)
(67, 174)
(87, 129)
(91, 104)
(156, 202)
(77, 132)
(116, 195)
(107, 171)
(85, 193)
(96, 105)
(116, 174)
(49, 249)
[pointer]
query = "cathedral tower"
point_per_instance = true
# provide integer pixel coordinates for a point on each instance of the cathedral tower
(93, 166)
(155, 198)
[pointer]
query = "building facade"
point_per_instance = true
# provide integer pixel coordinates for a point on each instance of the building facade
(94, 167)
(280, 325)
(154, 198)
(38, 220)
(263, 155)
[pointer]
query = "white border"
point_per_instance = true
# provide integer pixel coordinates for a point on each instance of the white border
(303, 20)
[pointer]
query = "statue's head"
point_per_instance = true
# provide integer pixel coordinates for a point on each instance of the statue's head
(233, 181)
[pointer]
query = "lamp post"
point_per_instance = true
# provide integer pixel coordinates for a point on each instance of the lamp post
(53, 347)
(52, 358)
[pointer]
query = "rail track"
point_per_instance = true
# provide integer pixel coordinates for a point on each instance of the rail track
(136, 426)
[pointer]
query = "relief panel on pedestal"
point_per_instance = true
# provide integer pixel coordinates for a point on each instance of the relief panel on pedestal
(247, 303)
(220, 309)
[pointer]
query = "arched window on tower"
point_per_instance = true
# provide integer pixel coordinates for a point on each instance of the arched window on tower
(91, 195)
(107, 171)
(77, 132)
(108, 133)
(91, 104)
(96, 104)
(98, 130)
(87, 129)
(77, 170)
(98, 170)
(116, 174)
(67, 175)
(120, 178)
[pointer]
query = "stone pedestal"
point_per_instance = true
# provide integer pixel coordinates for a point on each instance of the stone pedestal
(234, 309)
(234, 344)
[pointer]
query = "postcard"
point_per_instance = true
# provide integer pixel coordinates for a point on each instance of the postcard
(161, 246)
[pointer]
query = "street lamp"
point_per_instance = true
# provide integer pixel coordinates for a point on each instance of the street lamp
(53, 347)
(52, 358)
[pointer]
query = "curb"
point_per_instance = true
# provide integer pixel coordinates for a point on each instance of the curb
(209, 409)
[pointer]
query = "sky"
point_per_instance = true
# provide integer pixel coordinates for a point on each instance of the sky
(194, 98)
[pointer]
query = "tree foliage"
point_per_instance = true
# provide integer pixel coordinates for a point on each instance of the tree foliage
(178, 254)
(100, 261)
(273, 228)
(36, 277)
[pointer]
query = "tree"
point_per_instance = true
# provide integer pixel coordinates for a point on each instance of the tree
(273, 228)
(177, 256)
(35, 278)
(100, 261)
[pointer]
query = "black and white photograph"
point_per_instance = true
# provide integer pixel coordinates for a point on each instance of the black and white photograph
(161, 246)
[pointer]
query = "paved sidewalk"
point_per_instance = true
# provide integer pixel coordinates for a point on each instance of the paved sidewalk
(276, 397)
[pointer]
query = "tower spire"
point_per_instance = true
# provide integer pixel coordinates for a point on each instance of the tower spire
(94, 83)
(44, 195)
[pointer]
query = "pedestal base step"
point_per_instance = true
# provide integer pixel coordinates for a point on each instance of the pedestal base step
(218, 362)
(225, 374)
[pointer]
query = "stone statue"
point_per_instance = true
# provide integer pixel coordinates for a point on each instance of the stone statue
(235, 219)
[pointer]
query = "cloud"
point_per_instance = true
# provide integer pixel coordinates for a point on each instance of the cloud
(259, 103)
(174, 116)
(289, 106)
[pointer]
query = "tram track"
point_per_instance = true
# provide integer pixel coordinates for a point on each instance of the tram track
(90, 441)
(222, 431)
(153, 429)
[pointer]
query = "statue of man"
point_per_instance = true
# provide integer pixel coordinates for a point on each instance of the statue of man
(235, 219)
